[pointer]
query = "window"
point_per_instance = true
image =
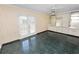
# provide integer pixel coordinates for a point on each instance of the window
(59, 21)
(27, 25)
(56, 21)
(23, 25)
(32, 24)
(74, 23)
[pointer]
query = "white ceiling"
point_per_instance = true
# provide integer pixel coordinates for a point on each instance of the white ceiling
(46, 8)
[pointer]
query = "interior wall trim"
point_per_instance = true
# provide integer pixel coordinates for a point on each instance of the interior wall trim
(39, 33)
(64, 33)
(22, 38)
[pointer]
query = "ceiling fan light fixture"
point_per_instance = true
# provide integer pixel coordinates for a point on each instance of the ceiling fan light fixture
(52, 13)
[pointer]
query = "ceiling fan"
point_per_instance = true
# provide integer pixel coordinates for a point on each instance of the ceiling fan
(53, 10)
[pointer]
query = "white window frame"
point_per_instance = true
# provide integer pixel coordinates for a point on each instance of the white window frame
(74, 22)
(22, 29)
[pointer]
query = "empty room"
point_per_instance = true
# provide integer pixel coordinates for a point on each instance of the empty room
(39, 28)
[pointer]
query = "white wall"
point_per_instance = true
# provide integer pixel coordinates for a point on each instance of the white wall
(9, 30)
(64, 28)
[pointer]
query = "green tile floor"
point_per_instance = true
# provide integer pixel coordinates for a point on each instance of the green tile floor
(43, 43)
